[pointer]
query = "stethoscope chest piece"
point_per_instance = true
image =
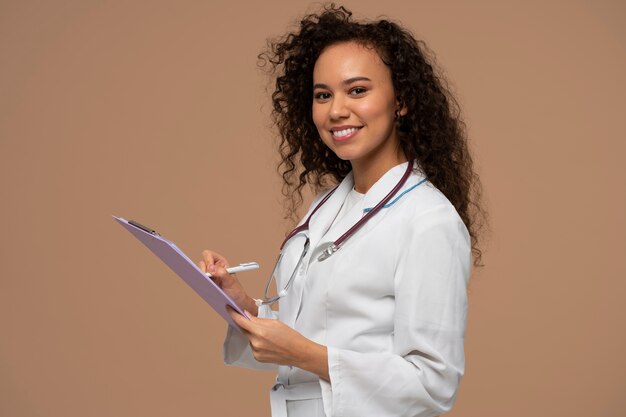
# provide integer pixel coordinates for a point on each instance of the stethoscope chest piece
(328, 252)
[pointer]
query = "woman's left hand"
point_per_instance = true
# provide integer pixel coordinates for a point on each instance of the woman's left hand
(275, 342)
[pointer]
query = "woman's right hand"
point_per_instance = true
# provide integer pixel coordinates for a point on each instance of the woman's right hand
(216, 264)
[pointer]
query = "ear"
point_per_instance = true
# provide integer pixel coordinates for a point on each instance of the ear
(401, 109)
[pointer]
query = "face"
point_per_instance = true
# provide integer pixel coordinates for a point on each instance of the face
(354, 105)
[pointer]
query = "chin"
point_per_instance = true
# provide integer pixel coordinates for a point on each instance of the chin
(344, 156)
(345, 153)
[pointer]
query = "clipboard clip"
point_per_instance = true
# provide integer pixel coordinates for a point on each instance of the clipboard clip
(144, 228)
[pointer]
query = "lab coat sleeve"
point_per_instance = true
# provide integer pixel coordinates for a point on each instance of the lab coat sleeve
(237, 350)
(420, 374)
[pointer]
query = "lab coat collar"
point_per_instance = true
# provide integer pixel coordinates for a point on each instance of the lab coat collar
(381, 188)
(320, 229)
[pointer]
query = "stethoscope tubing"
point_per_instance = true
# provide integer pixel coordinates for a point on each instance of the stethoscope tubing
(336, 245)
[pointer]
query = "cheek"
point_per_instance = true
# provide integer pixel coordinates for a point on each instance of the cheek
(317, 113)
(375, 110)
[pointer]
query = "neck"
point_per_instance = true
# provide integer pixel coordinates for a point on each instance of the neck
(366, 173)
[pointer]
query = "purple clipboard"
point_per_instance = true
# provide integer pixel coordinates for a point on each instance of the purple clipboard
(184, 267)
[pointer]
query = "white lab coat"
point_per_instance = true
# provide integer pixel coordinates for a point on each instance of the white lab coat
(390, 305)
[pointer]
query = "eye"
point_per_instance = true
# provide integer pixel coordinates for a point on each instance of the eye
(358, 91)
(322, 96)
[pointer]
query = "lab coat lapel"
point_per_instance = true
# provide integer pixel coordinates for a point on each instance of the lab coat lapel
(375, 194)
(322, 220)
(318, 225)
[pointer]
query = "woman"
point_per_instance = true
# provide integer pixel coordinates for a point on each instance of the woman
(376, 327)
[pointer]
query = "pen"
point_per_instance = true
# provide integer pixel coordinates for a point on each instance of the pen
(248, 266)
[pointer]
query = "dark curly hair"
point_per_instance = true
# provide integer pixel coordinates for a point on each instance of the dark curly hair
(431, 132)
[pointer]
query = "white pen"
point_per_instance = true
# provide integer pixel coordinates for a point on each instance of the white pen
(248, 266)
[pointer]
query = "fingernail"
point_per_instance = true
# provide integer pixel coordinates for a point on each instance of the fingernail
(211, 268)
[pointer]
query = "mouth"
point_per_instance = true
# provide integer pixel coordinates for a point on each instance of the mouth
(344, 132)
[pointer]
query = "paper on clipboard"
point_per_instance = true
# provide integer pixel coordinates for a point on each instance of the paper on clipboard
(178, 262)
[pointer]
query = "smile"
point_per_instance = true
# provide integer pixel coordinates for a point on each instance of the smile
(339, 134)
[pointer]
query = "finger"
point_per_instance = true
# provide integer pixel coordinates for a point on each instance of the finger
(240, 320)
(210, 269)
(221, 274)
(211, 258)
(208, 257)
(220, 260)
(202, 266)
(253, 318)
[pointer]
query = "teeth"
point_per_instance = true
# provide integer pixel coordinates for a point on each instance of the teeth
(344, 132)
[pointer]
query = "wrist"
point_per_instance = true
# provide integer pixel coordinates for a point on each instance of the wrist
(250, 306)
(313, 357)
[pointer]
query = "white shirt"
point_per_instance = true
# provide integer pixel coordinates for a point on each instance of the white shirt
(390, 305)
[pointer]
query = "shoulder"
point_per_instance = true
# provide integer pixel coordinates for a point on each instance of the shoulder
(425, 208)
(423, 199)
(431, 234)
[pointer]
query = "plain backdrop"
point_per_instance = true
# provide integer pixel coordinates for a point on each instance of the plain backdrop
(156, 111)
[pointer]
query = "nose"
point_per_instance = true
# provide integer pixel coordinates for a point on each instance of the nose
(338, 108)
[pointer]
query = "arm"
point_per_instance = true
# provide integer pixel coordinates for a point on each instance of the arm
(272, 341)
(419, 374)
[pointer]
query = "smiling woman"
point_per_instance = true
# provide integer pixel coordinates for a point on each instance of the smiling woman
(372, 283)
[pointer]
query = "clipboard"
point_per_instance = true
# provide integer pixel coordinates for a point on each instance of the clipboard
(184, 267)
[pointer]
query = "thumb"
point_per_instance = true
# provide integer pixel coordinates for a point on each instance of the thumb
(251, 316)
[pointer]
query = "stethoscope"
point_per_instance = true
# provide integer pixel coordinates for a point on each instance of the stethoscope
(333, 247)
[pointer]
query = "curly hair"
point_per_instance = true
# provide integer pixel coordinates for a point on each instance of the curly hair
(431, 132)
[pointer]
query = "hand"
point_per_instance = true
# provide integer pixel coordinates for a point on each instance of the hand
(216, 265)
(275, 342)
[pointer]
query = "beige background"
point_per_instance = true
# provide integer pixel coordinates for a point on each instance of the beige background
(156, 111)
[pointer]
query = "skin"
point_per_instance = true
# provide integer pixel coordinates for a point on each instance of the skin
(352, 89)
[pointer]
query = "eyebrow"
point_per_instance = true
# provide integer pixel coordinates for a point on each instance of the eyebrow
(344, 82)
